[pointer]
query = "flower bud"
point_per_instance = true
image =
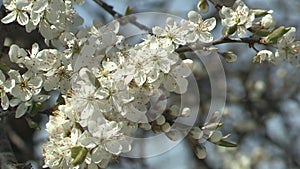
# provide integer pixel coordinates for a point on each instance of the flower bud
(145, 126)
(188, 62)
(229, 56)
(174, 111)
(260, 12)
(216, 136)
(166, 127)
(267, 21)
(203, 6)
(275, 34)
(196, 133)
(212, 126)
(160, 120)
(173, 135)
(200, 152)
(185, 112)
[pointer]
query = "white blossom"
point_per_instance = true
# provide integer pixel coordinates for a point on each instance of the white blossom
(5, 87)
(288, 48)
(264, 55)
(18, 12)
(239, 18)
(201, 28)
(26, 85)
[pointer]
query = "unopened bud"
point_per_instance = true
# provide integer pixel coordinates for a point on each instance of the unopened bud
(229, 56)
(173, 135)
(166, 127)
(261, 12)
(196, 133)
(188, 62)
(203, 6)
(212, 126)
(185, 112)
(216, 136)
(174, 111)
(275, 34)
(267, 21)
(160, 120)
(200, 152)
(145, 126)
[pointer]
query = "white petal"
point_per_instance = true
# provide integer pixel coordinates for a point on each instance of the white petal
(2, 77)
(87, 111)
(39, 6)
(51, 83)
(113, 147)
(9, 18)
(35, 82)
(4, 102)
(140, 78)
(109, 66)
(181, 86)
(21, 110)
(98, 155)
(164, 65)
(14, 102)
(22, 18)
(92, 166)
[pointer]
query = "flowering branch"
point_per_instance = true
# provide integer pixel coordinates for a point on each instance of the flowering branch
(249, 40)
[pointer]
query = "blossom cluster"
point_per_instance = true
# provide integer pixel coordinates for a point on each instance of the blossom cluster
(51, 17)
(106, 83)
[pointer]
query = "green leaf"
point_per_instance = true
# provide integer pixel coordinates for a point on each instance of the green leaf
(78, 153)
(224, 143)
(276, 34)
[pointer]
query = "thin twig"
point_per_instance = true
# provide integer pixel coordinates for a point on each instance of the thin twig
(117, 15)
(216, 4)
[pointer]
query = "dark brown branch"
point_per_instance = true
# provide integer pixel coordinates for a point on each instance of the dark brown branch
(216, 4)
(117, 15)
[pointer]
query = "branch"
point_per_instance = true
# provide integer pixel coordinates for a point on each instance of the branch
(117, 15)
(224, 40)
(216, 4)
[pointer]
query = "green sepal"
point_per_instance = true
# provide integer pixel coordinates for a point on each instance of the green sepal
(260, 12)
(224, 143)
(259, 31)
(230, 30)
(78, 153)
(32, 124)
(128, 10)
(35, 108)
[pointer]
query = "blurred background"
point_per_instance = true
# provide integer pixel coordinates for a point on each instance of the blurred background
(263, 101)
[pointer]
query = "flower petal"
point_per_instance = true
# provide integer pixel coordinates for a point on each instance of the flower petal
(9, 18)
